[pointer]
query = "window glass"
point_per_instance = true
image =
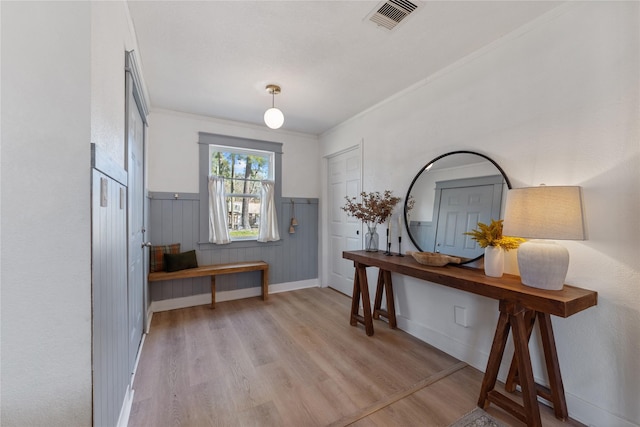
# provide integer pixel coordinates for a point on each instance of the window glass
(242, 170)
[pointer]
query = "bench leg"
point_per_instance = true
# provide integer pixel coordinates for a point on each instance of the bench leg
(213, 292)
(265, 284)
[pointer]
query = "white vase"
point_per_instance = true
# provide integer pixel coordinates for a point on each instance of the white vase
(493, 261)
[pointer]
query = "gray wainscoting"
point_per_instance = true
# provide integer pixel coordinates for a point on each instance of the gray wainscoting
(294, 258)
(424, 234)
(111, 373)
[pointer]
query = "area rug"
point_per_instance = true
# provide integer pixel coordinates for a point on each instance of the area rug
(477, 418)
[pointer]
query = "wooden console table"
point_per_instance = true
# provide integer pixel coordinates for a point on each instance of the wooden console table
(520, 306)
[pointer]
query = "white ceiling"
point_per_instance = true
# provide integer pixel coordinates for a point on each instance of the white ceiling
(214, 58)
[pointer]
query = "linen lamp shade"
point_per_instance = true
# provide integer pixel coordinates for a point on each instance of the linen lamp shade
(545, 212)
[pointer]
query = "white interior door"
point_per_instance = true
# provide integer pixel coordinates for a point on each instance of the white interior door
(135, 223)
(345, 232)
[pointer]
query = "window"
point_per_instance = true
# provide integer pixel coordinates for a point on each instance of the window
(228, 157)
(243, 171)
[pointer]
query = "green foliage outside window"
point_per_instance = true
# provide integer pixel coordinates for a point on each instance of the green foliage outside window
(242, 170)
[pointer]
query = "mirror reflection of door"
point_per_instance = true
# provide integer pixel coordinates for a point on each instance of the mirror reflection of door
(460, 205)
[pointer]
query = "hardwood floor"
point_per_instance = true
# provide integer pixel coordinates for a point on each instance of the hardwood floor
(294, 360)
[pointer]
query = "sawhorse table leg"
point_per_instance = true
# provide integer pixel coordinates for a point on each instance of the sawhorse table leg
(512, 316)
(555, 392)
(385, 285)
(361, 290)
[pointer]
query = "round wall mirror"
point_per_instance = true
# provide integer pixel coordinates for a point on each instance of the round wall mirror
(449, 196)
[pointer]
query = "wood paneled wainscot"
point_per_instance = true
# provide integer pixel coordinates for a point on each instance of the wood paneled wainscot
(520, 306)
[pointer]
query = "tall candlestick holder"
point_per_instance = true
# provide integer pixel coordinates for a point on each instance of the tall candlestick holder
(388, 252)
(399, 246)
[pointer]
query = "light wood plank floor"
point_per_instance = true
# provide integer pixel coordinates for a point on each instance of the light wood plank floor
(294, 360)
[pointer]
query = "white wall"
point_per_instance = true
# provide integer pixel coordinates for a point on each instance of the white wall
(173, 152)
(556, 102)
(46, 253)
(63, 88)
(111, 35)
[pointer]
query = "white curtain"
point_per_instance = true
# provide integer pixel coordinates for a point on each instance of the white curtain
(218, 230)
(268, 231)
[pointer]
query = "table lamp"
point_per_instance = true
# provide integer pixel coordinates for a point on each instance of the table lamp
(545, 212)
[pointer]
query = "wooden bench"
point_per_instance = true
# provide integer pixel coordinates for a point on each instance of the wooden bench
(213, 271)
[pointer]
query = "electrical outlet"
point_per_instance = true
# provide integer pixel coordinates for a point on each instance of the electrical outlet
(460, 316)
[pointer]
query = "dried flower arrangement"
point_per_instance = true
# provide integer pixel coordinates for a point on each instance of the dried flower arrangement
(375, 208)
(491, 235)
(411, 202)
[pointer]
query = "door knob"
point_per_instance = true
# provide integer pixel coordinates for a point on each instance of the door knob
(146, 244)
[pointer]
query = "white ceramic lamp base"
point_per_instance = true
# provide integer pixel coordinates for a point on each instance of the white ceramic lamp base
(543, 264)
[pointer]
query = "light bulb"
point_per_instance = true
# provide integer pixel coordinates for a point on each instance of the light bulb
(273, 118)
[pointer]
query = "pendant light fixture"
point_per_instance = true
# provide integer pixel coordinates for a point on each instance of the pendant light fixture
(273, 117)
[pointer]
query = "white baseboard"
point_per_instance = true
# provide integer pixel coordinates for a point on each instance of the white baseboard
(203, 299)
(292, 286)
(457, 349)
(580, 410)
(589, 414)
(125, 411)
(135, 365)
(183, 302)
(149, 317)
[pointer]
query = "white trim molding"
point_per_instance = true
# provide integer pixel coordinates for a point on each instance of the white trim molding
(125, 410)
(132, 65)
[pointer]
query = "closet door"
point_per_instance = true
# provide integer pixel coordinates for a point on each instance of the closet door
(345, 232)
(109, 292)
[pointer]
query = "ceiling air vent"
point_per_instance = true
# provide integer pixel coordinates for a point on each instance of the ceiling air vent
(392, 12)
